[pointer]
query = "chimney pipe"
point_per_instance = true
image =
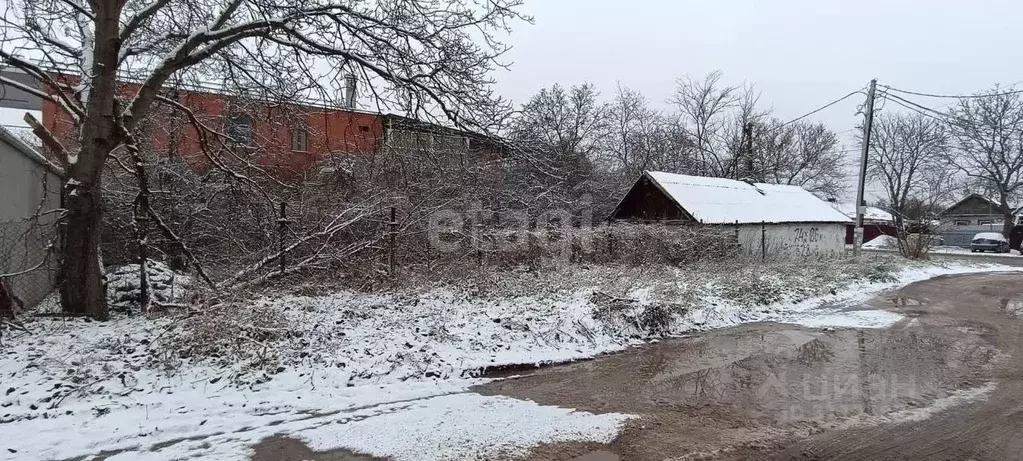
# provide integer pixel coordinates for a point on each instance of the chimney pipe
(350, 83)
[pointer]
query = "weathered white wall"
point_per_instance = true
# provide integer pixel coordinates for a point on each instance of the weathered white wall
(25, 188)
(797, 239)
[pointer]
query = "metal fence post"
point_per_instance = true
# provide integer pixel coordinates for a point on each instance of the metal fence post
(610, 241)
(282, 225)
(479, 238)
(763, 241)
(141, 228)
(738, 244)
(393, 231)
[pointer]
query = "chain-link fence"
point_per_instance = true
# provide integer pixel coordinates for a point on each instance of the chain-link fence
(28, 260)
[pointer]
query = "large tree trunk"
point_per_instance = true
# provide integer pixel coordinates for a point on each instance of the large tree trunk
(82, 290)
(1008, 223)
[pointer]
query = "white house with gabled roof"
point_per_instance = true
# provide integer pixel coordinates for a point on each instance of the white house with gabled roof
(782, 219)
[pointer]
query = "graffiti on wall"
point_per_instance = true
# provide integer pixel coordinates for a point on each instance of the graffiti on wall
(806, 235)
(806, 240)
(809, 241)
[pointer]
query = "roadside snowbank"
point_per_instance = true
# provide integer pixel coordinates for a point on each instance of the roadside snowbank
(882, 242)
(445, 333)
(370, 371)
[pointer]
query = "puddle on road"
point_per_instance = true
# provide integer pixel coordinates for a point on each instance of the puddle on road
(902, 301)
(766, 374)
(281, 448)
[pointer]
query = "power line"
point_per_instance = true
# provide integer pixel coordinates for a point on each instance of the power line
(932, 112)
(952, 96)
(832, 103)
(920, 109)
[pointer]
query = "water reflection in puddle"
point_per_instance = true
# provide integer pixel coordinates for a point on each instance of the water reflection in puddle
(770, 373)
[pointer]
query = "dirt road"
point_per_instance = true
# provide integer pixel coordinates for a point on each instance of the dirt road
(946, 383)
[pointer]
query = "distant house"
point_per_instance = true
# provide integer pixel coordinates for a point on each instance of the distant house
(30, 186)
(876, 222)
(976, 210)
(788, 219)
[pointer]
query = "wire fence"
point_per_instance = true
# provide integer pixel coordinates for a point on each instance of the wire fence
(28, 261)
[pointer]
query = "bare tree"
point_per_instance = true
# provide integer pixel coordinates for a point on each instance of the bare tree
(671, 147)
(631, 129)
(747, 114)
(906, 154)
(938, 184)
(800, 154)
(427, 58)
(567, 124)
(558, 135)
(988, 134)
(704, 107)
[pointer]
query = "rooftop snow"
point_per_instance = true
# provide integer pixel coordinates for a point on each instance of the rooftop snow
(15, 118)
(990, 236)
(870, 214)
(726, 201)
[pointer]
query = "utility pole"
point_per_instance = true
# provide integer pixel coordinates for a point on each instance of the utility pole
(747, 133)
(868, 125)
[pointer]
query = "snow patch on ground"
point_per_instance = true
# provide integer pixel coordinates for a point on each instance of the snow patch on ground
(953, 250)
(468, 426)
(955, 399)
(882, 242)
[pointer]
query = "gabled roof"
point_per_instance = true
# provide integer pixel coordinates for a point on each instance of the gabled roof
(994, 204)
(872, 213)
(727, 201)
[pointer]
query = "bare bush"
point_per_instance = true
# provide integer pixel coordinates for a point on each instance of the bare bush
(229, 331)
(550, 247)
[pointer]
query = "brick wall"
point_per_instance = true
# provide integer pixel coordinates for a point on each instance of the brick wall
(329, 129)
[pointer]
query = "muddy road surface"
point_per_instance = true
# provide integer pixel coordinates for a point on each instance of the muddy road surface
(945, 383)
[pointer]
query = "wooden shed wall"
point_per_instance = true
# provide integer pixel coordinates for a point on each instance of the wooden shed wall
(645, 201)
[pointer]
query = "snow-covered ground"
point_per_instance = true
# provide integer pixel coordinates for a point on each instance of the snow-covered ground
(384, 374)
(951, 250)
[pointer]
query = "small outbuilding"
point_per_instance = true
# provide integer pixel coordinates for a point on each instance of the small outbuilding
(876, 222)
(783, 219)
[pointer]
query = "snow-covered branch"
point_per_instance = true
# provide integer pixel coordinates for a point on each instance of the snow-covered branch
(140, 18)
(342, 221)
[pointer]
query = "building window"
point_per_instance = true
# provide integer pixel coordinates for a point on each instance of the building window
(984, 222)
(962, 222)
(300, 139)
(239, 129)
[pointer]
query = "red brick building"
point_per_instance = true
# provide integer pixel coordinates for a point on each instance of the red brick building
(285, 137)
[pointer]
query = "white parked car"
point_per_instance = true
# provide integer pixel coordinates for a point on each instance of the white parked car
(989, 241)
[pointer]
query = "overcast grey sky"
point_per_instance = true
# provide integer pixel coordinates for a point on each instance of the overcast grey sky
(800, 54)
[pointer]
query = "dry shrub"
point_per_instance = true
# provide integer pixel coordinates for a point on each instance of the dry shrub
(231, 332)
(557, 247)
